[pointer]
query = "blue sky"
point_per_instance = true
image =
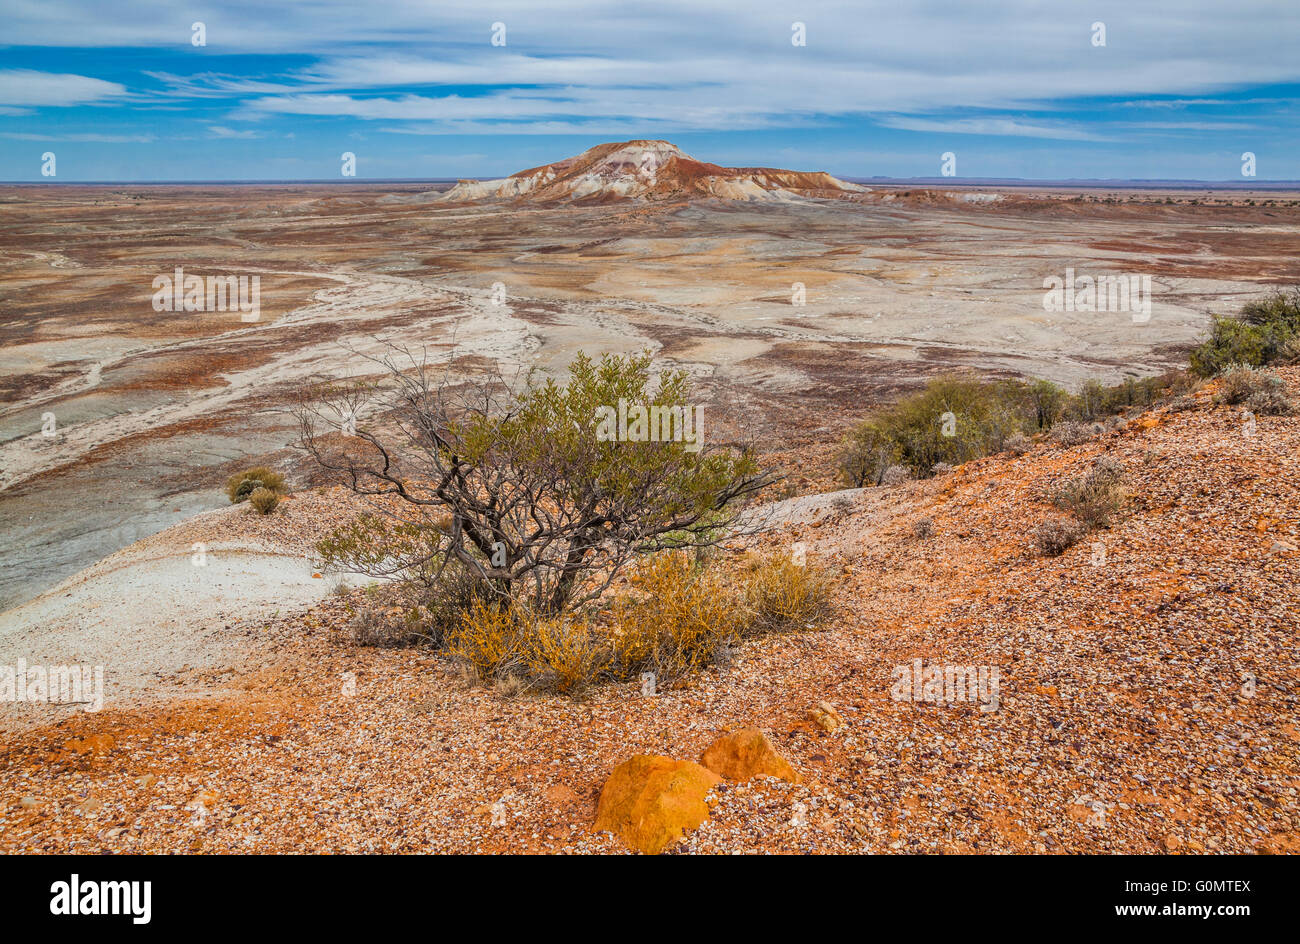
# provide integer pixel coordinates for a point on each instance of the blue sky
(1014, 88)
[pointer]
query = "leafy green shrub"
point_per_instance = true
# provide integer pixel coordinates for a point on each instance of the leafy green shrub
(242, 484)
(1265, 332)
(263, 500)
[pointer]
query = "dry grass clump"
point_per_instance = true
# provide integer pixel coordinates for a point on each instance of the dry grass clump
(678, 618)
(1073, 432)
(1096, 497)
(781, 595)
(1055, 536)
(241, 485)
(388, 617)
(489, 640)
(563, 655)
(1259, 390)
(263, 500)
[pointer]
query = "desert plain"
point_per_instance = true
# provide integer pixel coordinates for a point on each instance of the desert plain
(1148, 705)
(152, 409)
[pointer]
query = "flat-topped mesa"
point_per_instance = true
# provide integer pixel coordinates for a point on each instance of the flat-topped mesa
(650, 170)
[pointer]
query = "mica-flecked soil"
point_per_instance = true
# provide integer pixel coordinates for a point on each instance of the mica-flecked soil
(1147, 700)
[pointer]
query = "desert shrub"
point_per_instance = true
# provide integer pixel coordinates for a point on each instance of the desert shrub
(489, 641)
(1096, 497)
(393, 615)
(263, 500)
(676, 619)
(987, 417)
(563, 654)
(1049, 402)
(387, 627)
(242, 484)
(941, 468)
(953, 420)
(550, 498)
(1264, 332)
(1258, 390)
(1055, 536)
(1073, 432)
(867, 452)
(1231, 341)
(896, 474)
(781, 595)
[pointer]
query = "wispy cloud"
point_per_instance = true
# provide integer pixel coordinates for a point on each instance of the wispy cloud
(28, 87)
(89, 138)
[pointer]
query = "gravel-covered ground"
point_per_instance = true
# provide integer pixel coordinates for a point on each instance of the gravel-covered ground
(1146, 700)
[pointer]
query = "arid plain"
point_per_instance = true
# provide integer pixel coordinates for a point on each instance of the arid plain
(153, 409)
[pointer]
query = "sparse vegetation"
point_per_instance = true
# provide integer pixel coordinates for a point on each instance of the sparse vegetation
(676, 618)
(503, 527)
(1096, 497)
(263, 500)
(1258, 389)
(1265, 332)
(518, 487)
(1055, 536)
(241, 485)
(956, 419)
(781, 595)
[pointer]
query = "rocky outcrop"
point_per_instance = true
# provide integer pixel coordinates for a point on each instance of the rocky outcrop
(649, 170)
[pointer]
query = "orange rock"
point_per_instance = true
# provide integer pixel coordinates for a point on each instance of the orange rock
(650, 802)
(826, 717)
(745, 754)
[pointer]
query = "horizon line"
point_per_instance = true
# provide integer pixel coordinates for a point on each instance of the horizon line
(936, 181)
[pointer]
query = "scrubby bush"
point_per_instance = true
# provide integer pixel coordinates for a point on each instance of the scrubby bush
(957, 418)
(1259, 390)
(1073, 432)
(677, 618)
(1018, 444)
(488, 640)
(549, 501)
(1096, 497)
(564, 655)
(781, 596)
(242, 484)
(1263, 333)
(1055, 536)
(263, 500)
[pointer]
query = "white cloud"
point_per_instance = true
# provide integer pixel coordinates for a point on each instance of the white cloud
(220, 131)
(991, 126)
(27, 87)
